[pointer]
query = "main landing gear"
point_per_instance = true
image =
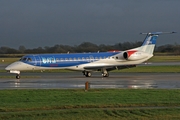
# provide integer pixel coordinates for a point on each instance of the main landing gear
(104, 73)
(87, 74)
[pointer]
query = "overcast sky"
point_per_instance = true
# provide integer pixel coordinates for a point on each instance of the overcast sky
(40, 23)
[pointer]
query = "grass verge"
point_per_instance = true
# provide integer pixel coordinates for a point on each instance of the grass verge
(94, 104)
(165, 59)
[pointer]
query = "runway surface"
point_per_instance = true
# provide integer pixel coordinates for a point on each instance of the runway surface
(77, 80)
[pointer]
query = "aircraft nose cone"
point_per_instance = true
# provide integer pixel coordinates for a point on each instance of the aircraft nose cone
(10, 67)
(7, 68)
(13, 66)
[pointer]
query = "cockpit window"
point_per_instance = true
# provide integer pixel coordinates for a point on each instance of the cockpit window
(29, 59)
(24, 59)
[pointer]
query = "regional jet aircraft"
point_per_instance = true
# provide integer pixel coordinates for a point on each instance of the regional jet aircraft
(88, 62)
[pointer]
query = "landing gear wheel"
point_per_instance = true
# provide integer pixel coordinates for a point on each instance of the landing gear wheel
(87, 74)
(18, 76)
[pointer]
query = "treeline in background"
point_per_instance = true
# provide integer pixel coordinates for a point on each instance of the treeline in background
(88, 47)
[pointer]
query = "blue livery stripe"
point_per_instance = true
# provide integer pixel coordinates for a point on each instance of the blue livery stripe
(65, 60)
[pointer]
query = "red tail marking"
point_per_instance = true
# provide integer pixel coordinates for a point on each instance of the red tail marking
(131, 52)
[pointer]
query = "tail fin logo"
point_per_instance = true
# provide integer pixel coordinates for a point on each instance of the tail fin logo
(153, 40)
(150, 40)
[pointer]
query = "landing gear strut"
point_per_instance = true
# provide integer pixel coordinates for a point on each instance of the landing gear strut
(17, 76)
(105, 73)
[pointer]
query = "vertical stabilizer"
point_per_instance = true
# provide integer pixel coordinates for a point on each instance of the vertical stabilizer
(150, 41)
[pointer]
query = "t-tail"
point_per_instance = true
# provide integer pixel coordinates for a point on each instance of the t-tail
(150, 41)
(145, 51)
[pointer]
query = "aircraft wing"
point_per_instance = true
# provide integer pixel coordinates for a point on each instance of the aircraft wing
(108, 67)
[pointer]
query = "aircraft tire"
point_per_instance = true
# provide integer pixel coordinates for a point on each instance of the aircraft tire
(88, 74)
(17, 76)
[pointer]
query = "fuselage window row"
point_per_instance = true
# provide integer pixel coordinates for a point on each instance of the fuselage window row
(79, 59)
(69, 59)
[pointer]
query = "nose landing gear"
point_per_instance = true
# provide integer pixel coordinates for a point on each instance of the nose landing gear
(17, 76)
(17, 72)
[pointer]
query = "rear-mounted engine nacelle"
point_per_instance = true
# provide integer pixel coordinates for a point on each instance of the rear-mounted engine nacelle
(134, 55)
(125, 55)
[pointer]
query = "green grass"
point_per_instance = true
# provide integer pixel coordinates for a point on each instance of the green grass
(94, 104)
(165, 59)
(8, 60)
(13, 100)
(96, 114)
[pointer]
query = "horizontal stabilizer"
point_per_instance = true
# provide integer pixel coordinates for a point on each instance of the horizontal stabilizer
(157, 33)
